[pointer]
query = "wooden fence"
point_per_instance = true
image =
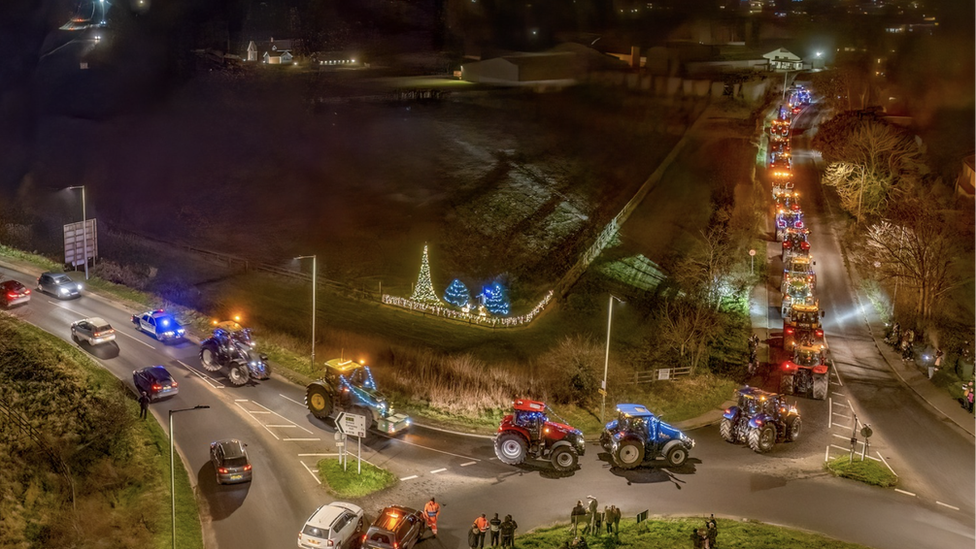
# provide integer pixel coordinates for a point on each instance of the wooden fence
(661, 374)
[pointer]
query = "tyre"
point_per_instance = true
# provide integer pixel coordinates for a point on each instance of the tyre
(786, 384)
(676, 455)
(239, 374)
(564, 459)
(820, 383)
(511, 448)
(318, 400)
(727, 430)
(630, 454)
(793, 425)
(366, 413)
(762, 439)
(359, 526)
(209, 357)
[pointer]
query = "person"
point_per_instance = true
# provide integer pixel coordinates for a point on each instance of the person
(143, 405)
(473, 537)
(508, 528)
(703, 538)
(967, 396)
(590, 516)
(431, 511)
(696, 540)
(494, 527)
(481, 523)
(599, 520)
(576, 515)
(711, 531)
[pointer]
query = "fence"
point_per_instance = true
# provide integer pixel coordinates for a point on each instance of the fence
(661, 374)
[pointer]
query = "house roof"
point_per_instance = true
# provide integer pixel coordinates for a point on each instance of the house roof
(781, 54)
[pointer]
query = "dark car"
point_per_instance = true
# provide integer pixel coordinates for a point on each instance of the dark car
(160, 325)
(395, 528)
(59, 285)
(230, 461)
(13, 293)
(94, 330)
(155, 381)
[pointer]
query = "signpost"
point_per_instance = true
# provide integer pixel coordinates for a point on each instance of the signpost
(340, 440)
(752, 261)
(641, 517)
(353, 425)
(80, 242)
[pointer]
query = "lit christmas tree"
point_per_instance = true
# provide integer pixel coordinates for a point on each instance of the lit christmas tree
(495, 299)
(457, 294)
(424, 291)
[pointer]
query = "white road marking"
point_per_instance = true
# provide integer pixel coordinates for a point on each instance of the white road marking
(281, 426)
(842, 415)
(292, 400)
(257, 412)
(827, 453)
(947, 505)
(256, 420)
(907, 493)
(411, 477)
(433, 449)
(441, 470)
(842, 437)
(240, 400)
(283, 417)
(883, 460)
(468, 463)
(134, 338)
(207, 379)
(314, 475)
(300, 439)
(841, 404)
(316, 455)
(836, 393)
(841, 448)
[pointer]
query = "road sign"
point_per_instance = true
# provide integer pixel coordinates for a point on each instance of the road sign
(351, 424)
(866, 431)
(752, 252)
(74, 233)
(602, 392)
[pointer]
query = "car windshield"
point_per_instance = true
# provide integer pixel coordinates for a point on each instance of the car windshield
(316, 532)
(61, 279)
(236, 462)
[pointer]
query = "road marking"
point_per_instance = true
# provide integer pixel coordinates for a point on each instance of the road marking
(441, 470)
(281, 426)
(827, 453)
(237, 399)
(433, 449)
(256, 420)
(300, 439)
(316, 455)
(907, 493)
(836, 393)
(468, 463)
(315, 476)
(207, 379)
(283, 417)
(257, 412)
(134, 338)
(842, 437)
(840, 448)
(947, 505)
(292, 400)
(842, 415)
(883, 460)
(841, 404)
(411, 477)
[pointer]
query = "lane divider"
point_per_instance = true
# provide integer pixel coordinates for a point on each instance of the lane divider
(206, 379)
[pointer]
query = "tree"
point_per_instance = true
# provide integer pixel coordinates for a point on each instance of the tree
(424, 291)
(687, 327)
(457, 294)
(495, 299)
(847, 86)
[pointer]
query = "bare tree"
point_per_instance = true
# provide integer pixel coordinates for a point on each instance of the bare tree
(687, 327)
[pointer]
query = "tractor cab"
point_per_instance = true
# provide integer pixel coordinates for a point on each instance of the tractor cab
(229, 329)
(795, 242)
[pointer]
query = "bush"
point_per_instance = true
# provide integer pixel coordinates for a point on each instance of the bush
(571, 370)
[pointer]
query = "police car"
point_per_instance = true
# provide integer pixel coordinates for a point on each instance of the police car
(160, 325)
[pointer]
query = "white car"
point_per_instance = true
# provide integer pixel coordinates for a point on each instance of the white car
(334, 525)
(94, 330)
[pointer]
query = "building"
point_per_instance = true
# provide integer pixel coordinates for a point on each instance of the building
(272, 52)
(540, 70)
(966, 182)
(782, 59)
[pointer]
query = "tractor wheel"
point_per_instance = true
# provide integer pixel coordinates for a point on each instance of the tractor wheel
(793, 425)
(786, 384)
(727, 430)
(366, 413)
(238, 374)
(318, 400)
(676, 455)
(511, 448)
(820, 383)
(630, 454)
(564, 459)
(762, 439)
(209, 357)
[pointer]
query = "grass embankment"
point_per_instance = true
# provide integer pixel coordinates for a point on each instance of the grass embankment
(867, 471)
(118, 494)
(350, 484)
(671, 532)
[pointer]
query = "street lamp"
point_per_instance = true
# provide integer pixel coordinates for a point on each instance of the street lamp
(606, 361)
(314, 262)
(172, 474)
(84, 226)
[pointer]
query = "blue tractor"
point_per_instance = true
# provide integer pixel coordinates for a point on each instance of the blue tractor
(638, 435)
(760, 419)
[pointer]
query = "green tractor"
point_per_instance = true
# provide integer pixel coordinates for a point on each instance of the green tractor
(348, 386)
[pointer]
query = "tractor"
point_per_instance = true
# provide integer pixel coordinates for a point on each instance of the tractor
(779, 130)
(802, 324)
(798, 291)
(348, 386)
(799, 269)
(528, 433)
(788, 218)
(638, 435)
(796, 243)
(807, 372)
(760, 419)
(231, 346)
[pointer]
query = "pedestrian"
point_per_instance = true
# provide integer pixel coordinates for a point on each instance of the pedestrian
(576, 515)
(711, 531)
(431, 511)
(473, 537)
(143, 405)
(481, 523)
(599, 520)
(696, 539)
(703, 538)
(508, 528)
(494, 527)
(591, 516)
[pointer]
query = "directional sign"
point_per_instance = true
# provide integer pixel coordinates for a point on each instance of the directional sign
(80, 242)
(351, 424)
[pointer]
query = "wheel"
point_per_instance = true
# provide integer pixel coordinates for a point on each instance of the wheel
(209, 357)
(786, 384)
(318, 401)
(793, 425)
(238, 374)
(762, 439)
(820, 386)
(74, 337)
(359, 526)
(676, 455)
(511, 448)
(366, 413)
(564, 458)
(727, 430)
(630, 454)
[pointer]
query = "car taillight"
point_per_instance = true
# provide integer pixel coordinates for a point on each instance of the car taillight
(12, 295)
(819, 333)
(26, 292)
(156, 387)
(789, 330)
(247, 467)
(174, 384)
(222, 470)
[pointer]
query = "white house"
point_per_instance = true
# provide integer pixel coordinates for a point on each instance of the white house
(272, 52)
(783, 60)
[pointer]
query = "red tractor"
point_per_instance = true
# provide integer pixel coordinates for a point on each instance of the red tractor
(527, 432)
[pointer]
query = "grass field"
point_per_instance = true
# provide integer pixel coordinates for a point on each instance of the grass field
(867, 471)
(351, 481)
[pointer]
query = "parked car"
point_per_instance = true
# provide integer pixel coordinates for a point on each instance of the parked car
(230, 461)
(13, 293)
(395, 528)
(337, 524)
(156, 381)
(59, 285)
(160, 325)
(94, 330)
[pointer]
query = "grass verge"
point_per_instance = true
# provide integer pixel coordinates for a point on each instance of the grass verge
(670, 532)
(867, 471)
(348, 483)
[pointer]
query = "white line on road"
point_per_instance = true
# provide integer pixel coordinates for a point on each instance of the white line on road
(291, 400)
(281, 426)
(257, 412)
(207, 379)
(240, 400)
(441, 470)
(883, 460)
(836, 393)
(947, 505)
(907, 493)
(300, 439)
(842, 415)
(827, 453)
(468, 463)
(839, 403)
(238, 404)
(841, 448)
(411, 477)
(842, 437)
(283, 417)
(316, 455)
(134, 338)
(315, 476)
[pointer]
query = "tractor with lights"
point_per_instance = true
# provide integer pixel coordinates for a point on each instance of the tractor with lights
(638, 435)
(807, 372)
(529, 433)
(760, 419)
(348, 386)
(231, 346)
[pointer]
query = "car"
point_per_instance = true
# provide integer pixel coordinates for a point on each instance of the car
(160, 325)
(337, 524)
(94, 330)
(155, 381)
(230, 461)
(396, 527)
(59, 285)
(13, 293)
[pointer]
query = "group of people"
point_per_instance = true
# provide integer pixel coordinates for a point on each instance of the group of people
(502, 532)
(753, 353)
(704, 538)
(592, 519)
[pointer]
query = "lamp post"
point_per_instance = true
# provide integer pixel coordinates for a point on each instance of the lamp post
(314, 264)
(606, 361)
(172, 474)
(84, 226)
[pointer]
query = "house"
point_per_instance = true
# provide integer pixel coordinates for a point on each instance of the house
(272, 52)
(282, 57)
(782, 59)
(966, 182)
(540, 70)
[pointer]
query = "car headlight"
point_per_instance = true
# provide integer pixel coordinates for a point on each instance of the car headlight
(169, 333)
(79, 286)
